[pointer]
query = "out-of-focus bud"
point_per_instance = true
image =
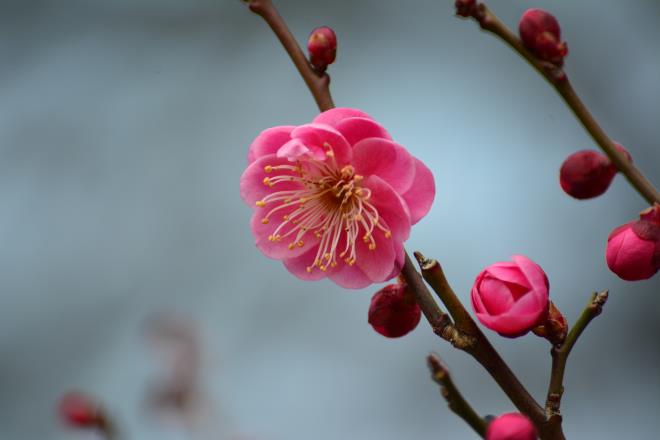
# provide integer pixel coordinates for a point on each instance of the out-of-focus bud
(586, 174)
(393, 311)
(541, 34)
(465, 8)
(511, 298)
(555, 327)
(79, 410)
(511, 426)
(633, 249)
(322, 47)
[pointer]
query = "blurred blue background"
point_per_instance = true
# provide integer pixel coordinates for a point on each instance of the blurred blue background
(124, 128)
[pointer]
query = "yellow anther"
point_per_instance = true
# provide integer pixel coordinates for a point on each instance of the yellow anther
(285, 217)
(330, 154)
(271, 238)
(359, 217)
(327, 256)
(323, 268)
(309, 269)
(372, 246)
(359, 192)
(268, 168)
(267, 182)
(260, 203)
(388, 234)
(326, 145)
(358, 177)
(264, 220)
(333, 264)
(292, 246)
(300, 243)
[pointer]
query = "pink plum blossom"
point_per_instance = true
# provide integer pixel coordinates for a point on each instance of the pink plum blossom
(335, 198)
(511, 298)
(633, 249)
(511, 426)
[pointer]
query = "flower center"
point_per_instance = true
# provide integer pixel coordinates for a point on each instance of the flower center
(329, 202)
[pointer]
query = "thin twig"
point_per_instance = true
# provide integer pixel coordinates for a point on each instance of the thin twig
(558, 79)
(481, 348)
(455, 400)
(319, 85)
(560, 355)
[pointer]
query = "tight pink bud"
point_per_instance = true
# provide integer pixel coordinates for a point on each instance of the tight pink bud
(511, 426)
(540, 33)
(78, 410)
(633, 249)
(322, 47)
(511, 298)
(393, 311)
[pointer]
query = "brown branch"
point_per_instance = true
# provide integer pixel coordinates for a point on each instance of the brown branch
(481, 349)
(557, 78)
(560, 356)
(455, 400)
(442, 325)
(319, 85)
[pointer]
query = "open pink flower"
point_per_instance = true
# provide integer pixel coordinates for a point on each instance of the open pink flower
(511, 298)
(335, 198)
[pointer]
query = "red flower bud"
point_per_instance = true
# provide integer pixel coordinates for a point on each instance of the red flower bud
(79, 410)
(322, 47)
(465, 8)
(393, 311)
(587, 174)
(554, 328)
(540, 33)
(633, 249)
(511, 426)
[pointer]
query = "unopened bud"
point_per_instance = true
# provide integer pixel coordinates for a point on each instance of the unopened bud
(554, 328)
(322, 47)
(511, 426)
(79, 410)
(586, 174)
(633, 249)
(465, 8)
(393, 311)
(541, 34)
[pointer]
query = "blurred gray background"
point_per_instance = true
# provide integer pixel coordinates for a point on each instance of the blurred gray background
(124, 128)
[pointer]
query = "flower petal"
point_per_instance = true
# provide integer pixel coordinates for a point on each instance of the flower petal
(533, 272)
(252, 185)
(509, 273)
(334, 116)
(377, 264)
(350, 277)
(317, 136)
(385, 159)
(496, 297)
(269, 141)
(391, 207)
(298, 266)
(356, 129)
(421, 193)
(278, 250)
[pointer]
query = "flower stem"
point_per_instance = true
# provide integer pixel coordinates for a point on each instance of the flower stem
(561, 352)
(558, 79)
(318, 84)
(455, 400)
(481, 348)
